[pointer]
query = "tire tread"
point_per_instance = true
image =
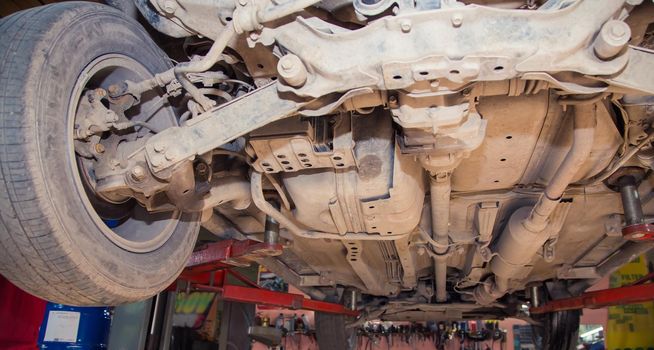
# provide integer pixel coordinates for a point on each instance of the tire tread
(33, 254)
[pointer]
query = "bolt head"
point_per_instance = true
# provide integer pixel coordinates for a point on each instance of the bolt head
(292, 70)
(286, 64)
(159, 147)
(113, 89)
(170, 6)
(405, 25)
(111, 116)
(457, 20)
(201, 169)
(138, 173)
(617, 31)
(156, 162)
(392, 101)
(99, 148)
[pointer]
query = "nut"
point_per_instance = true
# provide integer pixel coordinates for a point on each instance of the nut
(612, 39)
(113, 89)
(157, 162)
(457, 20)
(114, 163)
(405, 25)
(292, 70)
(202, 169)
(392, 101)
(169, 6)
(99, 148)
(100, 92)
(138, 173)
(159, 147)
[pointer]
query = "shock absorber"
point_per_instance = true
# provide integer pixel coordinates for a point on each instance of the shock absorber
(271, 231)
(626, 181)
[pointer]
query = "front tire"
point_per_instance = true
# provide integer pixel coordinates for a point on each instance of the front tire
(53, 242)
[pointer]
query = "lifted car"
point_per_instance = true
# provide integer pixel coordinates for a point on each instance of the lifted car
(418, 160)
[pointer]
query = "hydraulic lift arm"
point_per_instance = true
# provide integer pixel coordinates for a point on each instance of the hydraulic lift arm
(218, 258)
(635, 293)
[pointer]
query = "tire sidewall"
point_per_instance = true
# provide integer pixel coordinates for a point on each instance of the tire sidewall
(77, 38)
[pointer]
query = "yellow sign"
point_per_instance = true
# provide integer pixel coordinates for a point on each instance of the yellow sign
(630, 326)
(193, 303)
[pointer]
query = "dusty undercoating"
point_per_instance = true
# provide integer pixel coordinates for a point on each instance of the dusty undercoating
(438, 156)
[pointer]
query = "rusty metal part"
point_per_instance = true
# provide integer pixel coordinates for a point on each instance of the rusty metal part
(499, 45)
(259, 200)
(369, 277)
(612, 39)
(210, 59)
(218, 126)
(292, 70)
(635, 229)
(364, 113)
(526, 232)
(637, 75)
(440, 217)
(229, 252)
(584, 131)
(294, 144)
(636, 173)
(271, 229)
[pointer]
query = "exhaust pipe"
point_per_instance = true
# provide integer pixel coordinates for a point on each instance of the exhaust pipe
(440, 188)
(523, 236)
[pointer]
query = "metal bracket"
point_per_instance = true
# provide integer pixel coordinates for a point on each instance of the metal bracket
(569, 272)
(230, 252)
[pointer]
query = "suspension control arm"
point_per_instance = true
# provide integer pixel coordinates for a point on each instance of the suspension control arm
(217, 127)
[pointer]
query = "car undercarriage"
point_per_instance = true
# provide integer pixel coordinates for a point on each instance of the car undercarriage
(420, 160)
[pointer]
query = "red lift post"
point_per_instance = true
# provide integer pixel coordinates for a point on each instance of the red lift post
(209, 267)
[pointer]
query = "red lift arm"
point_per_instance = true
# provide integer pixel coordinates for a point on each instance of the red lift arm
(635, 293)
(217, 259)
